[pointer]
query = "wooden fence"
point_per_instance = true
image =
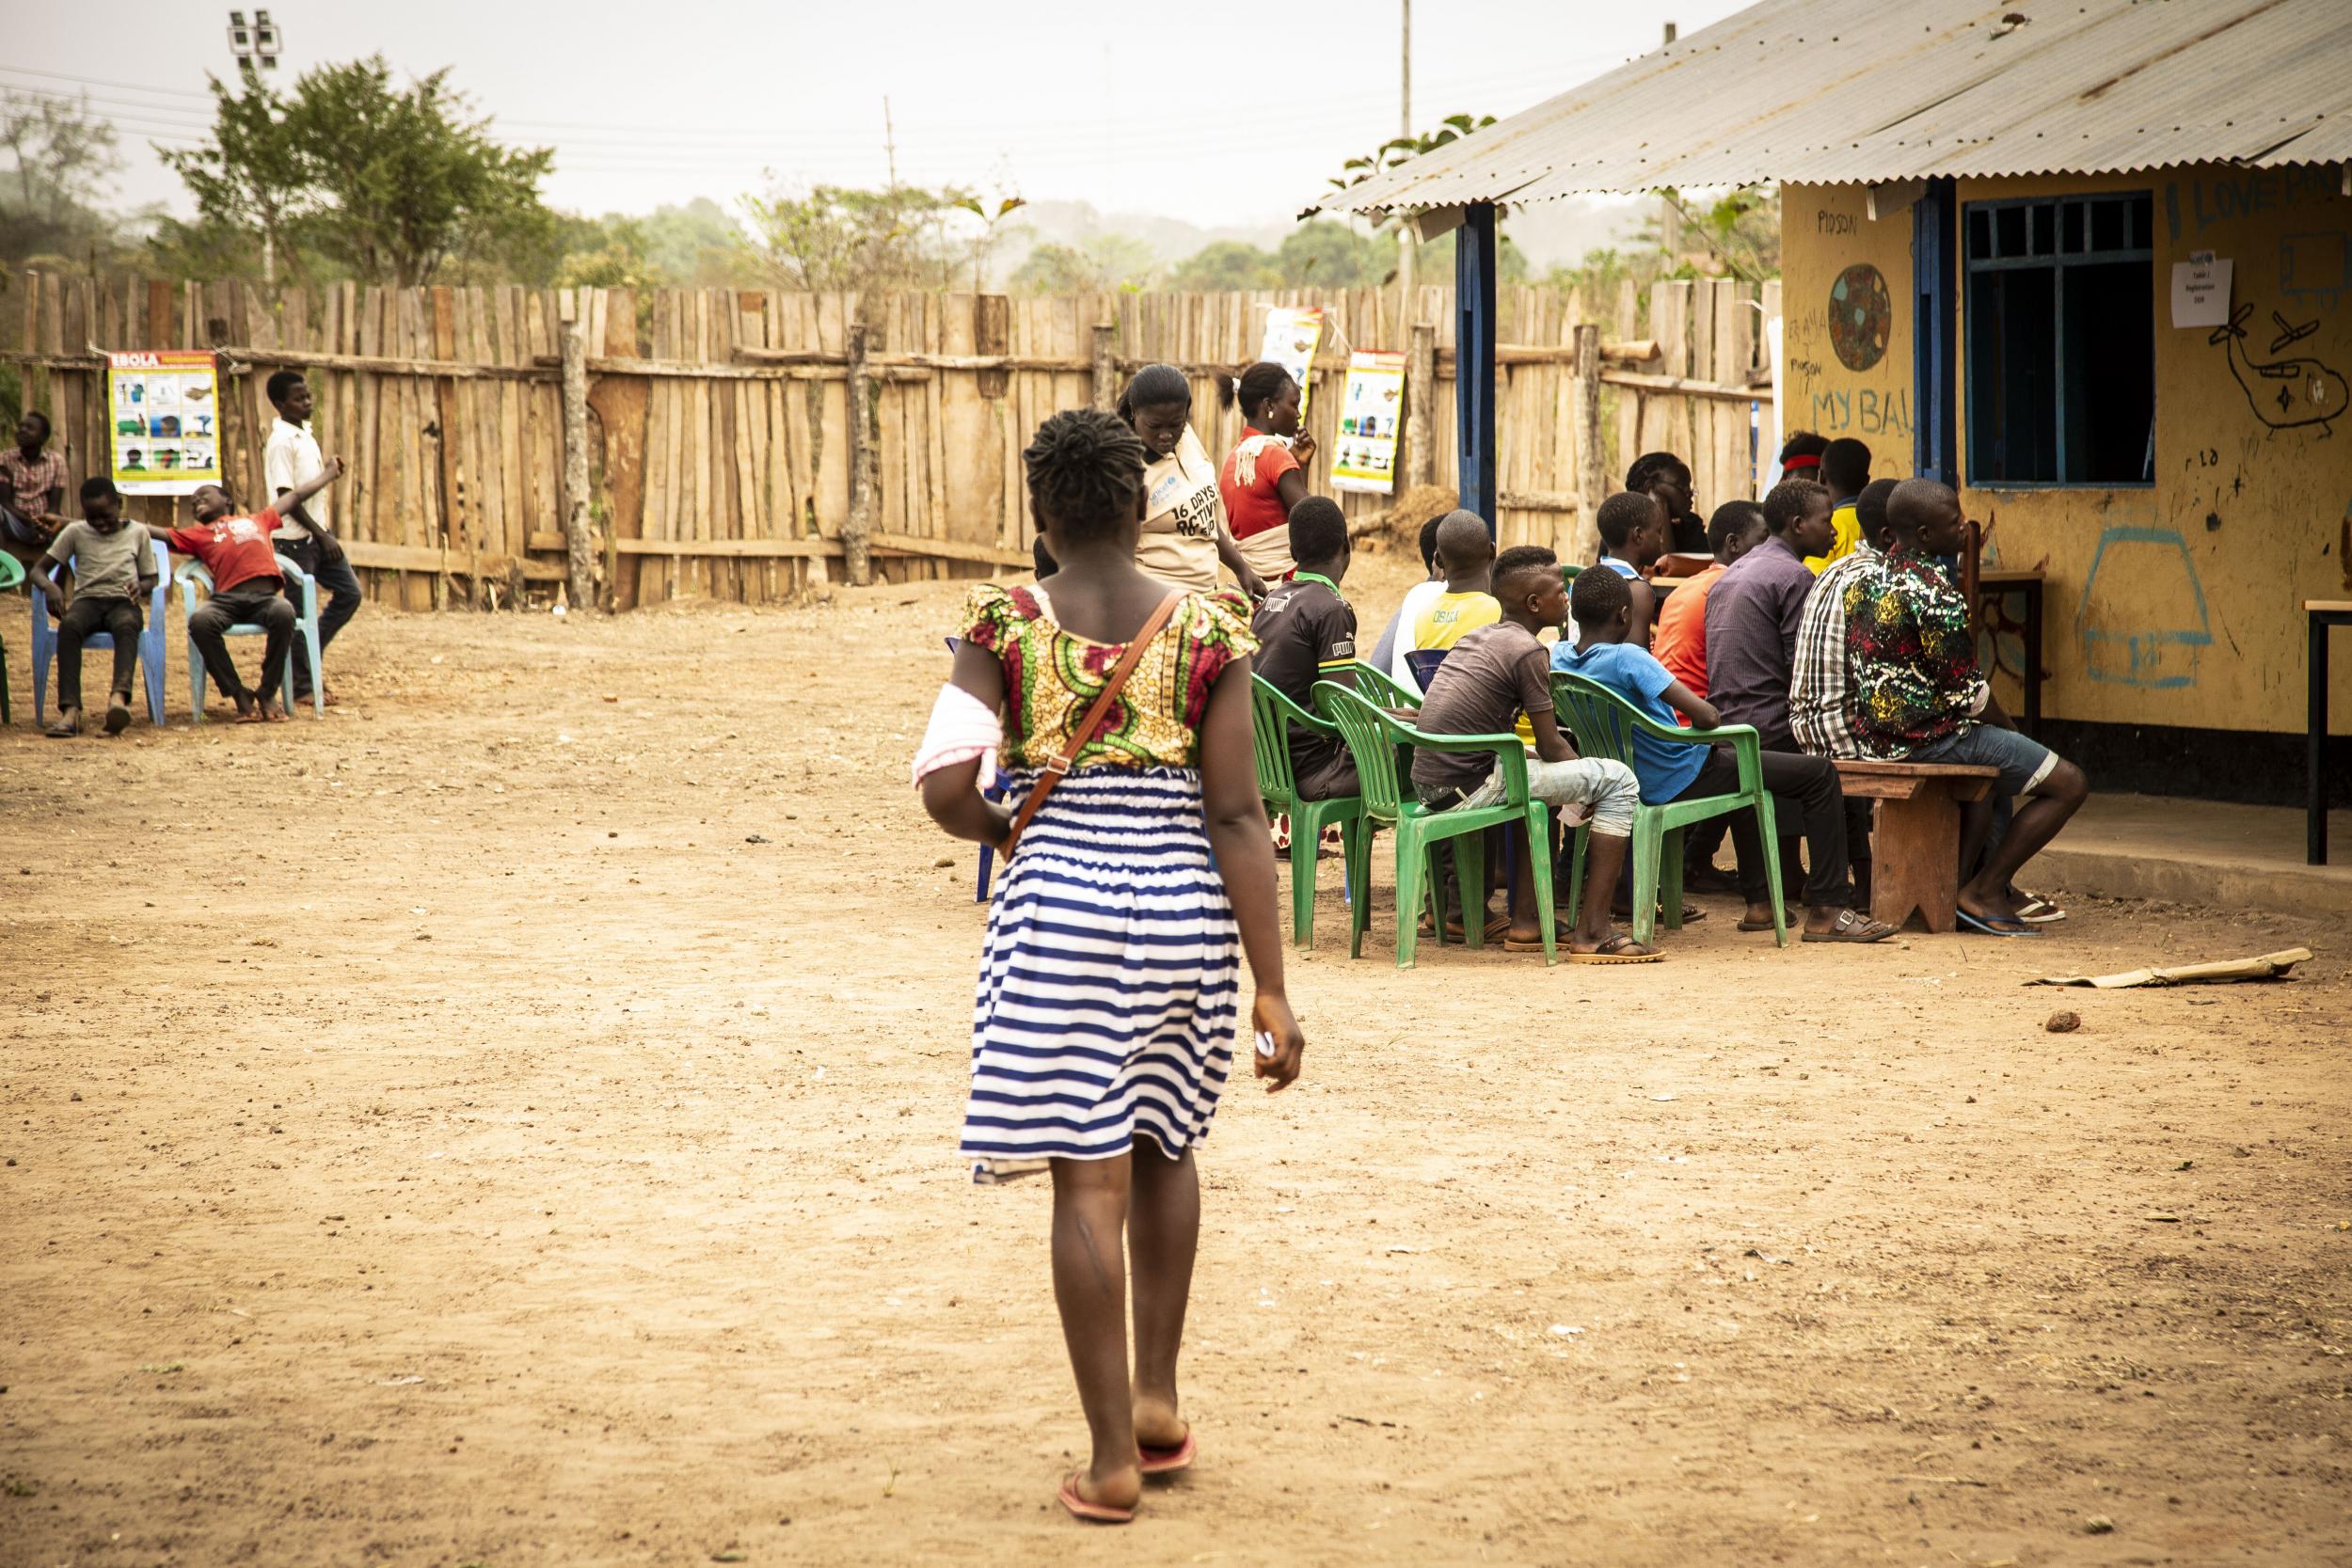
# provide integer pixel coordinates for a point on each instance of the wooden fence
(721, 456)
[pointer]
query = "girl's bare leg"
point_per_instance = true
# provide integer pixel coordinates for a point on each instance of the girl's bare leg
(1165, 1226)
(1089, 1287)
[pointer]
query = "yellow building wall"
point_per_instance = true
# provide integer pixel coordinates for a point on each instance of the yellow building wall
(1841, 270)
(2177, 604)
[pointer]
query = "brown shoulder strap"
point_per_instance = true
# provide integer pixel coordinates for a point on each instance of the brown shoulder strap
(1095, 717)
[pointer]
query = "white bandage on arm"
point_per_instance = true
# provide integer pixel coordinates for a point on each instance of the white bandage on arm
(961, 727)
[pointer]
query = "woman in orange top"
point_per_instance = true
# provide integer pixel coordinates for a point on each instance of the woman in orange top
(1264, 476)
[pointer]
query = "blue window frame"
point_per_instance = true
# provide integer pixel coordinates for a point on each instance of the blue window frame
(2062, 341)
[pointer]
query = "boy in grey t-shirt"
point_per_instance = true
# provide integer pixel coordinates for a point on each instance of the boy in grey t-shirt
(114, 574)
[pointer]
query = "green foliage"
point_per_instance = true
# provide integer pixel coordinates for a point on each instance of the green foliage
(1226, 264)
(696, 245)
(1736, 236)
(838, 237)
(984, 247)
(1100, 264)
(1404, 149)
(389, 184)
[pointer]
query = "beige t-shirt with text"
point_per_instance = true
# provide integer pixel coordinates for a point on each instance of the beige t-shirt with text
(1180, 517)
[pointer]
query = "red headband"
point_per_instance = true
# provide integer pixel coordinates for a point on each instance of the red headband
(1802, 460)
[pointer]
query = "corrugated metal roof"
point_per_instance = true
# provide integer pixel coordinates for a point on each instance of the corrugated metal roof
(1837, 91)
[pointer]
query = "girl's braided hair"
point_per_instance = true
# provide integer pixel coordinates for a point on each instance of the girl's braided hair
(1084, 469)
(1254, 388)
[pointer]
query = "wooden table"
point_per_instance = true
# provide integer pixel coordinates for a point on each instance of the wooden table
(1991, 588)
(1914, 848)
(2324, 616)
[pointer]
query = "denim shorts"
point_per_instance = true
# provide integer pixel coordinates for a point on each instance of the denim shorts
(2025, 762)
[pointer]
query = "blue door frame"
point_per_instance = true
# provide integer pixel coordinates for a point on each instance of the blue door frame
(1935, 381)
(1474, 359)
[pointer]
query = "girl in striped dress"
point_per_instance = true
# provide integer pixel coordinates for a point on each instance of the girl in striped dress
(1109, 983)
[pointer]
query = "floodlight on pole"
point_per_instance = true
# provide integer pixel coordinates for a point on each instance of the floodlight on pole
(255, 46)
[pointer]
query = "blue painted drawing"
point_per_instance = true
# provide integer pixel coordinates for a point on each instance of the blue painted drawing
(2160, 656)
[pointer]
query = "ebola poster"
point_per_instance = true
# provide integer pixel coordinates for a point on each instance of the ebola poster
(164, 418)
(1370, 413)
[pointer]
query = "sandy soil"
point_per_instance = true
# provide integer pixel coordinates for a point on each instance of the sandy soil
(511, 1122)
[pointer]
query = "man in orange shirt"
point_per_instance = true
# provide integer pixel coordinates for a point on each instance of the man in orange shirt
(1680, 640)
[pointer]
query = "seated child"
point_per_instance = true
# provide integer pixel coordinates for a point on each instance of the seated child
(1495, 674)
(1466, 554)
(1306, 633)
(1384, 651)
(1632, 529)
(247, 589)
(1669, 770)
(113, 576)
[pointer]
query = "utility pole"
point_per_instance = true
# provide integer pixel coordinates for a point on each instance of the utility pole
(1405, 250)
(890, 143)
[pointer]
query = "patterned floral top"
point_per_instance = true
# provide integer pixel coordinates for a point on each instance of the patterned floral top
(1911, 646)
(1052, 677)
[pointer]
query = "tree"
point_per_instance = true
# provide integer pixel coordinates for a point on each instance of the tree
(838, 237)
(66, 159)
(1226, 264)
(1404, 149)
(391, 184)
(1101, 263)
(1332, 256)
(984, 247)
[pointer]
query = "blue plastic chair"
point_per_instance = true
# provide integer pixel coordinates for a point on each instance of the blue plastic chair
(193, 574)
(1423, 664)
(11, 573)
(152, 649)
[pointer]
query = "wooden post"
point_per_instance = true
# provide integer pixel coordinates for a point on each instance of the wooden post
(1421, 406)
(864, 470)
(1105, 367)
(578, 543)
(1592, 461)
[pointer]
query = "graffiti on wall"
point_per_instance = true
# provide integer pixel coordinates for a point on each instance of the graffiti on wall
(2149, 627)
(2314, 268)
(2286, 391)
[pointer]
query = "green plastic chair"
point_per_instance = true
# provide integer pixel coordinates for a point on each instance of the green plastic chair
(1605, 724)
(1272, 716)
(1375, 683)
(1372, 738)
(11, 574)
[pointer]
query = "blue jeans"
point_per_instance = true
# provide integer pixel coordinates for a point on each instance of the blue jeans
(2025, 762)
(340, 584)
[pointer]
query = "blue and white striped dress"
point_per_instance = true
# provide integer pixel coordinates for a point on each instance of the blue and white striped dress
(1110, 981)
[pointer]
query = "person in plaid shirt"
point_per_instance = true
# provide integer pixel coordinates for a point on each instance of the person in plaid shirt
(32, 488)
(1911, 648)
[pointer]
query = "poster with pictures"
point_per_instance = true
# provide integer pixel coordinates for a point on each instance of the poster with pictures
(164, 417)
(1370, 412)
(1291, 337)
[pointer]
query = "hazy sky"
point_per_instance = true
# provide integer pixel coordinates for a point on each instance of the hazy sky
(1216, 113)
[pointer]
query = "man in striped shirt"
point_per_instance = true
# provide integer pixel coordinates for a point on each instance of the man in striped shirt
(1822, 697)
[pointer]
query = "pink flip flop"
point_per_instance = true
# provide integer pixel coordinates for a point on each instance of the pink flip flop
(1093, 1513)
(1164, 1462)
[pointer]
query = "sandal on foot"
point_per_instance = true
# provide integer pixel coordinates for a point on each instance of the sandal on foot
(1166, 1462)
(2038, 910)
(1613, 951)
(1998, 925)
(1791, 918)
(1093, 1513)
(118, 717)
(1849, 926)
(63, 729)
(1522, 944)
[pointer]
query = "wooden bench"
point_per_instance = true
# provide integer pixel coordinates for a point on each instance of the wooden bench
(1914, 853)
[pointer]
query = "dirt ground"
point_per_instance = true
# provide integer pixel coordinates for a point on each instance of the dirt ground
(512, 1122)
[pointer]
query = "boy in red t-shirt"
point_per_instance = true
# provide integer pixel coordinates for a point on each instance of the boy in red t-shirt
(247, 589)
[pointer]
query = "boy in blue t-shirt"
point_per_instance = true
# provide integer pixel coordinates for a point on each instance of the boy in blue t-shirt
(1675, 770)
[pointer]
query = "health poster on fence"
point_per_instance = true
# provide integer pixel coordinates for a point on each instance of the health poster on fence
(1370, 412)
(165, 415)
(1291, 337)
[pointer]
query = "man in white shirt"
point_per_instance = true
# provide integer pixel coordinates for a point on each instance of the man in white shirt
(290, 461)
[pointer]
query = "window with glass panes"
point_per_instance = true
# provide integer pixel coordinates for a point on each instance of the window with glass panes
(2062, 341)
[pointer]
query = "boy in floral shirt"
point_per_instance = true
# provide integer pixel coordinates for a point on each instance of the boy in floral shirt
(1921, 696)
